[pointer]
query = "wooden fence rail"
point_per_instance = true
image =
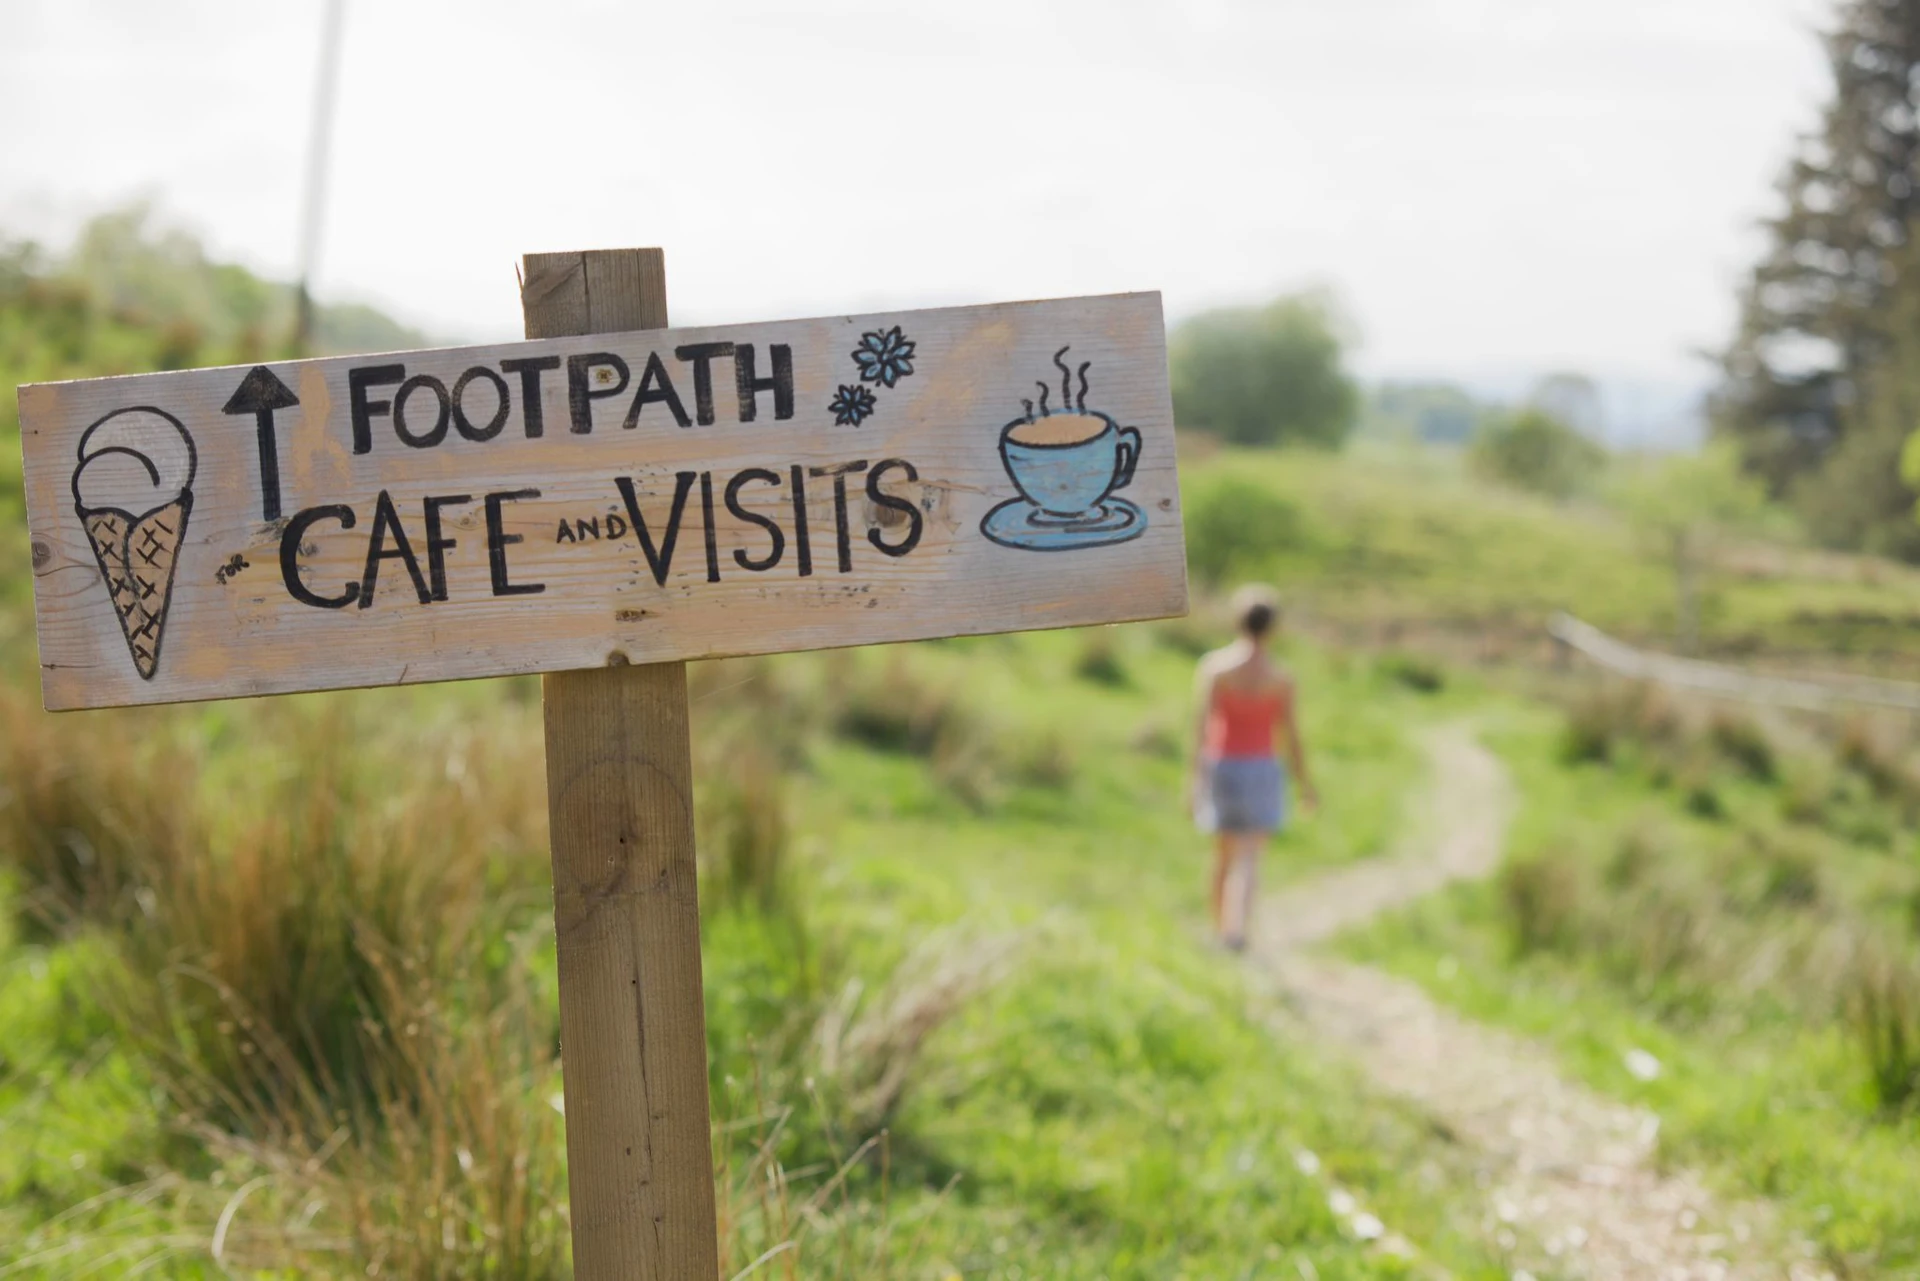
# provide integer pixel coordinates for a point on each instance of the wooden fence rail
(1808, 691)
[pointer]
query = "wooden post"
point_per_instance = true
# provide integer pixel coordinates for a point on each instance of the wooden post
(625, 905)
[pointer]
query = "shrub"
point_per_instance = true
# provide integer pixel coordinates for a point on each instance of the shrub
(1267, 376)
(1531, 449)
(1235, 528)
(1414, 671)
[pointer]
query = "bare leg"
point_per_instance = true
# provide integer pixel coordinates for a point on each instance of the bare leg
(1246, 876)
(1223, 847)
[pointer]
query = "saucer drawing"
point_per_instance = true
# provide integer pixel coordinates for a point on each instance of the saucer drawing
(1018, 523)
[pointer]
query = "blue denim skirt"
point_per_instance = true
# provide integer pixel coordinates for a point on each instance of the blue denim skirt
(1243, 794)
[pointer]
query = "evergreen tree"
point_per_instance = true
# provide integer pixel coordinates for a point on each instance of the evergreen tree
(1812, 319)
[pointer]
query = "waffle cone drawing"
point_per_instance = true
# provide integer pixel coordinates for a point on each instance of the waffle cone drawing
(133, 492)
(136, 558)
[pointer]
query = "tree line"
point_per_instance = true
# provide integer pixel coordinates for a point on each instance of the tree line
(1820, 387)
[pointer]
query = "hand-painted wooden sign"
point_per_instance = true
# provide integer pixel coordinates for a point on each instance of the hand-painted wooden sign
(540, 506)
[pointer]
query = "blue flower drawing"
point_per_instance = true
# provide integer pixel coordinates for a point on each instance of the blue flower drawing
(884, 358)
(851, 404)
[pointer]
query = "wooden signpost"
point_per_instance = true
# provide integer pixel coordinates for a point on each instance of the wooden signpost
(603, 502)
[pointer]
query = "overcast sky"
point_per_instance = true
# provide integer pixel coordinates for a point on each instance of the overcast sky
(1493, 186)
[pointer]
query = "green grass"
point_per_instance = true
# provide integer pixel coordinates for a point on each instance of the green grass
(1110, 1101)
(963, 1018)
(1109, 1106)
(1763, 1082)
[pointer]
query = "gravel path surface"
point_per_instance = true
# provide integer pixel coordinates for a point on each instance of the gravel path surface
(1572, 1187)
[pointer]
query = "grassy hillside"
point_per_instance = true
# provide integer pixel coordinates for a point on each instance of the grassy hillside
(277, 983)
(1380, 540)
(277, 977)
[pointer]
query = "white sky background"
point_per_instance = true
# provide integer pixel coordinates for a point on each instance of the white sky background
(1494, 187)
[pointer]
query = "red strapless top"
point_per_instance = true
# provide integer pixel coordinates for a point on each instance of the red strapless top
(1242, 723)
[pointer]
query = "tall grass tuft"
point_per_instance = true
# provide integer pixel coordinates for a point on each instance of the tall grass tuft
(895, 709)
(1610, 716)
(807, 1225)
(1189, 636)
(1100, 661)
(1879, 759)
(867, 1043)
(976, 758)
(742, 811)
(1542, 894)
(320, 985)
(1742, 740)
(1416, 672)
(302, 936)
(1882, 1007)
(462, 1176)
(469, 1188)
(84, 824)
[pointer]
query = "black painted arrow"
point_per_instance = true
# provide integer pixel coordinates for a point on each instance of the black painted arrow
(259, 394)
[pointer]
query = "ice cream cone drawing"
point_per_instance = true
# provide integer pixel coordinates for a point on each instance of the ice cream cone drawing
(133, 492)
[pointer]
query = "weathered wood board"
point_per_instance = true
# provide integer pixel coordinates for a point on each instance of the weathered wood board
(544, 506)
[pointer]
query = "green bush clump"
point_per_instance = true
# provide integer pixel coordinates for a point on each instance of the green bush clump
(1236, 528)
(1611, 716)
(1877, 758)
(1532, 450)
(1541, 895)
(1265, 376)
(1416, 672)
(1100, 661)
(1742, 740)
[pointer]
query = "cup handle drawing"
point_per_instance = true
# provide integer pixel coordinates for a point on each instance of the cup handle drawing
(1129, 451)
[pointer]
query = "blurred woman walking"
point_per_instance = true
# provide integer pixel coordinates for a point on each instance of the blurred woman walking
(1239, 785)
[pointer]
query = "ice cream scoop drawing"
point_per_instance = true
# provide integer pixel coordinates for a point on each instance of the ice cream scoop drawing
(133, 491)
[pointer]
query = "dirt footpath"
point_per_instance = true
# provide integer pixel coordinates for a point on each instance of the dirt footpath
(1572, 1188)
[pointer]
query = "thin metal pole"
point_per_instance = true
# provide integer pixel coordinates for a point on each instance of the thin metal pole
(319, 147)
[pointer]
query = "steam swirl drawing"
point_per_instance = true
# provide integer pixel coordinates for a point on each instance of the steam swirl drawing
(133, 491)
(1066, 463)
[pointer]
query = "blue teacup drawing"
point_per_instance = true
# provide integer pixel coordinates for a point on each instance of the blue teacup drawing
(1067, 464)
